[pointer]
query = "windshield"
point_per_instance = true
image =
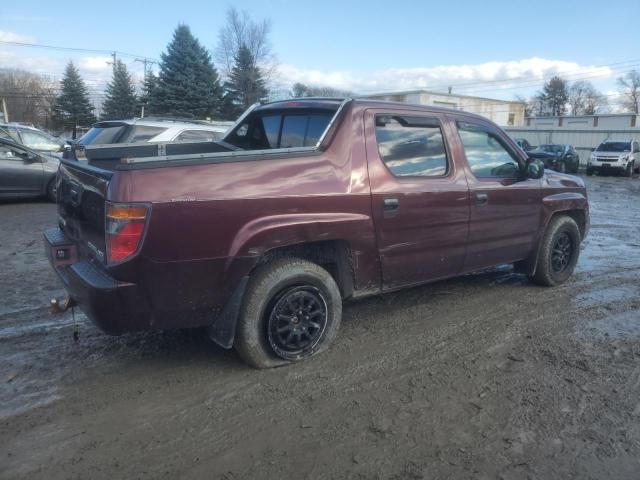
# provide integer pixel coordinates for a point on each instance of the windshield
(551, 148)
(614, 147)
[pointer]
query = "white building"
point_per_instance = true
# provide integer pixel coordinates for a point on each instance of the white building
(503, 112)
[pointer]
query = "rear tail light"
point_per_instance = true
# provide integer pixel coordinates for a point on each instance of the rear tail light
(125, 225)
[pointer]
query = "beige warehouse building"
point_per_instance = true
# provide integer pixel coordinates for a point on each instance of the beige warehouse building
(503, 112)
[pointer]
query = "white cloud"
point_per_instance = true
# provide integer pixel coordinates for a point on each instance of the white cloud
(16, 37)
(463, 78)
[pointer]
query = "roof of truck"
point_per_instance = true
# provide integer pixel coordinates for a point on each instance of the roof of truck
(333, 103)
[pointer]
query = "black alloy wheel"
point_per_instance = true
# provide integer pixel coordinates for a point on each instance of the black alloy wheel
(296, 321)
(562, 252)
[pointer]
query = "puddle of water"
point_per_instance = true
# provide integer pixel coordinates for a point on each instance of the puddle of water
(625, 324)
(607, 295)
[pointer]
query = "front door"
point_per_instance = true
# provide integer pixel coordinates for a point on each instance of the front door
(420, 197)
(19, 174)
(505, 209)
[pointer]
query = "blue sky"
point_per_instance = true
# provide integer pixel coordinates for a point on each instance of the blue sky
(363, 46)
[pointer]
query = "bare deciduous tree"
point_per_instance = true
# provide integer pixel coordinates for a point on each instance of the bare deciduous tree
(239, 30)
(630, 90)
(584, 99)
(29, 96)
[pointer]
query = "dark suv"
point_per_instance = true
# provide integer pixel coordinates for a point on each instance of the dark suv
(560, 157)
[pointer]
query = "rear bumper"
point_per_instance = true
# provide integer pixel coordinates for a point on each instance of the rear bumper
(115, 307)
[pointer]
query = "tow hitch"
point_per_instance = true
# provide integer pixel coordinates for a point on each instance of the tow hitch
(60, 305)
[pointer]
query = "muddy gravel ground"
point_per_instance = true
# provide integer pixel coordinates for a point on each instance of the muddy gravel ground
(485, 376)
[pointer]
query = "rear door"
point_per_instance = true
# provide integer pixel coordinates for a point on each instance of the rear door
(420, 198)
(19, 173)
(505, 210)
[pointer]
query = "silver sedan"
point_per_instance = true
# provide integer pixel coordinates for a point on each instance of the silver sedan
(25, 172)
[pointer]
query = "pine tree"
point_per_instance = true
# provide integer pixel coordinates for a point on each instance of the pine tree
(554, 96)
(246, 85)
(149, 87)
(120, 101)
(72, 107)
(188, 84)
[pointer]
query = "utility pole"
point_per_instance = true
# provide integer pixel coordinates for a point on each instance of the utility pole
(115, 59)
(5, 114)
(145, 62)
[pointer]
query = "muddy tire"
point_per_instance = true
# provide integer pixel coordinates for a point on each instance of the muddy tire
(291, 311)
(51, 190)
(559, 252)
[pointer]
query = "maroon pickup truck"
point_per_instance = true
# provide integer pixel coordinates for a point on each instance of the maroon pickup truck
(260, 237)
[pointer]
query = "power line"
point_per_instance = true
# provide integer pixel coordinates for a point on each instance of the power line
(74, 49)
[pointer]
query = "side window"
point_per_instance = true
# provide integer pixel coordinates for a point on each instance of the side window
(198, 136)
(140, 133)
(411, 146)
(8, 153)
(486, 153)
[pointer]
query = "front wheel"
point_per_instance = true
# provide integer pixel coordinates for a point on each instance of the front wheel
(629, 171)
(562, 167)
(559, 252)
(292, 310)
(589, 172)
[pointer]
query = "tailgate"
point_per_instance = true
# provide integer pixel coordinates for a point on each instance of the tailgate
(81, 193)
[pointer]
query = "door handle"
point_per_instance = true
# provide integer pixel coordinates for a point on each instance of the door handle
(481, 199)
(391, 206)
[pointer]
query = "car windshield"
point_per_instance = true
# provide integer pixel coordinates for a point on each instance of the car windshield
(551, 148)
(614, 147)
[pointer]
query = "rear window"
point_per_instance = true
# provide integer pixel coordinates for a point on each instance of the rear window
(101, 135)
(281, 130)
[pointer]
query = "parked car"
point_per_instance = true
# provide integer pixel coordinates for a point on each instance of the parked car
(31, 137)
(523, 143)
(148, 129)
(561, 158)
(25, 172)
(615, 156)
(305, 204)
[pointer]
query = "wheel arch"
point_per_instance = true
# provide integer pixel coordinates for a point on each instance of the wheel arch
(573, 205)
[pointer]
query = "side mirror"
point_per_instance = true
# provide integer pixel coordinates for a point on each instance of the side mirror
(534, 168)
(31, 158)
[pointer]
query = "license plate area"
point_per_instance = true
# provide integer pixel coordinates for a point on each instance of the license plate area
(62, 255)
(59, 249)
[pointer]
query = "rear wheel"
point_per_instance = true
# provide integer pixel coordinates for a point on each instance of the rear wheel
(292, 310)
(559, 252)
